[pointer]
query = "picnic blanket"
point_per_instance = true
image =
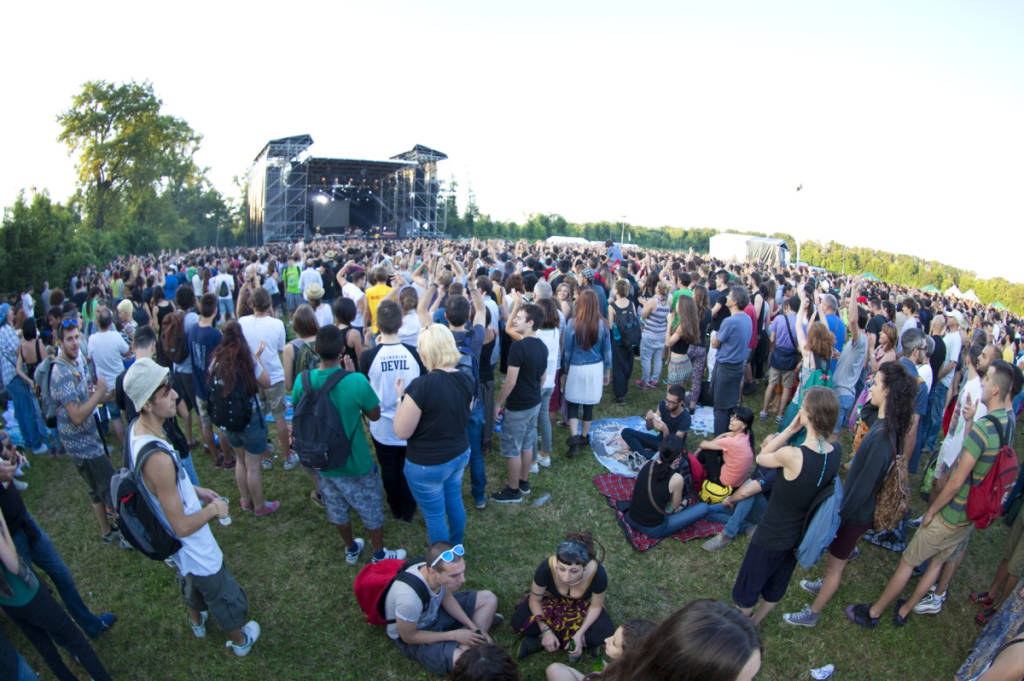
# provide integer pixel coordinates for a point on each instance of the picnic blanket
(620, 488)
(609, 448)
(703, 421)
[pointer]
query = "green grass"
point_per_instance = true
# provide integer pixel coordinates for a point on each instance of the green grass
(292, 567)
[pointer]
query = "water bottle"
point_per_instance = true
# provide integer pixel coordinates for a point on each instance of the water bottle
(226, 520)
(543, 499)
(498, 421)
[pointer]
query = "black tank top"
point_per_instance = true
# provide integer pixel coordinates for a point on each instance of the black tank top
(783, 522)
(641, 511)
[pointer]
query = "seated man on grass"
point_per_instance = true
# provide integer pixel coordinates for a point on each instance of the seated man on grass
(437, 632)
(672, 418)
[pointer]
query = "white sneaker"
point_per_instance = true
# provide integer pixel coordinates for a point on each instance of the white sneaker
(20, 485)
(198, 629)
(534, 468)
(41, 449)
(252, 634)
(930, 604)
(266, 464)
(292, 462)
(544, 461)
(352, 557)
(390, 554)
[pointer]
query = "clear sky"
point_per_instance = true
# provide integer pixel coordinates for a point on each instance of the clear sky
(904, 122)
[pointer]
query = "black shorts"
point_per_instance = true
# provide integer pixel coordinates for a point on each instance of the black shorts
(846, 540)
(764, 573)
(183, 385)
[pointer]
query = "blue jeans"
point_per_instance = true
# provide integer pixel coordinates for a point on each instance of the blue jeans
(438, 491)
(936, 405)
(226, 309)
(24, 412)
(915, 458)
(544, 419)
(190, 470)
(477, 471)
(25, 673)
(845, 404)
(642, 442)
(44, 554)
(745, 515)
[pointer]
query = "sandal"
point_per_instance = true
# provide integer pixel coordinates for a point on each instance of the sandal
(981, 598)
(984, 616)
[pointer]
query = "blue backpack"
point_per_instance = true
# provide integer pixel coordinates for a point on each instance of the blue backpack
(469, 364)
(820, 524)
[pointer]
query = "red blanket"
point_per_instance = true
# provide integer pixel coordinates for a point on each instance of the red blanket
(620, 488)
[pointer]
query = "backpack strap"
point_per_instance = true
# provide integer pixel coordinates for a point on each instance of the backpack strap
(412, 582)
(332, 380)
(1003, 438)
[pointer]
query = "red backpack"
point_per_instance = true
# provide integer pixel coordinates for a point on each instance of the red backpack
(985, 500)
(374, 581)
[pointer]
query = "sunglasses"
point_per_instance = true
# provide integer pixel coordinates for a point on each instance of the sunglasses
(450, 555)
(69, 323)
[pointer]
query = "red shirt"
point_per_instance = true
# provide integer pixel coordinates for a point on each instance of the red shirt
(749, 309)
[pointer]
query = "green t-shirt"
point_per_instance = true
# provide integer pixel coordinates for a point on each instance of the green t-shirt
(351, 397)
(983, 444)
(291, 279)
(21, 592)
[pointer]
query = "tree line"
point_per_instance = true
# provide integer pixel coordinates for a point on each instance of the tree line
(139, 190)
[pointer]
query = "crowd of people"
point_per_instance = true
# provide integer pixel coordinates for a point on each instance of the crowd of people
(446, 348)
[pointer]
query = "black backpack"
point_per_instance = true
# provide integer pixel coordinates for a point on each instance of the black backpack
(629, 326)
(318, 435)
(232, 411)
(469, 364)
(223, 291)
(135, 507)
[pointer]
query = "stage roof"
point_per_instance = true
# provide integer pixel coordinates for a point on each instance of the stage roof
(345, 168)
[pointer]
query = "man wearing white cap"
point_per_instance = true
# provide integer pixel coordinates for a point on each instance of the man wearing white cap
(206, 584)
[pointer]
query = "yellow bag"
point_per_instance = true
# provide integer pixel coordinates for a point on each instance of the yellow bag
(714, 493)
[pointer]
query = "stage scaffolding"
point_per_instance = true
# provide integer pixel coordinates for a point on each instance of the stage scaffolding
(416, 192)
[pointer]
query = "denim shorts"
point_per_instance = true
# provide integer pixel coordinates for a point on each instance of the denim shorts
(519, 432)
(254, 438)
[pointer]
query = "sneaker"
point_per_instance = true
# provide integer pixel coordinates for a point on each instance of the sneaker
(640, 383)
(388, 554)
(109, 537)
(524, 486)
(252, 633)
(106, 620)
(778, 419)
(266, 465)
(198, 629)
(898, 621)
(653, 384)
(763, 415)
(861, 614)
(719, 541)
(507, 496)
(268, 508)
(124, 543)
(543, 461)
(811, 586)
(804, 618)
(535, 466)
(352, 557)
(915, 522)
(930, 604)
(21, 485)
(41, 448)
(496, 620)
(292, 462)
(481, 504)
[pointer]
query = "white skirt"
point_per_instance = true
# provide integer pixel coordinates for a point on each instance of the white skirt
(584, 383)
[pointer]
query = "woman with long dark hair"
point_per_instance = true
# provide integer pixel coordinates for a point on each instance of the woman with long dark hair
(683, 331)
(658, 492)
(698, 352)
(588, 353)
(233, 363)
(704, 640)
(621, 313)
(892, 407)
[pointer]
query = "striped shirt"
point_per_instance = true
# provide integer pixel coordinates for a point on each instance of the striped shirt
(982, 443)
(656, 322)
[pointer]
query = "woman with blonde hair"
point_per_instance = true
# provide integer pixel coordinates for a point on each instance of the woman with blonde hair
(432, 415)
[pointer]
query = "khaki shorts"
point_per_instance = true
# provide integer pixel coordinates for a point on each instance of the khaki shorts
(787, 378)
(272, 399)
(938, 541)
(203, 409)
(1014, 553)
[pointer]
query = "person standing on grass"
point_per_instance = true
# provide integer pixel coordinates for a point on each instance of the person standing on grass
(588, 356)
(438, 633)
(77, 399)
(17, 387)
(806, 470)
(203, 339)
(892, 398)
(185, 510)
(261, 327)
(354, 484)
(783, 361)
(655, 313)
(945, 529)
(733, 346)
(383, 364)
(527, 367)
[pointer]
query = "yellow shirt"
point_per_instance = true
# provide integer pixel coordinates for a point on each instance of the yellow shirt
(374, 295)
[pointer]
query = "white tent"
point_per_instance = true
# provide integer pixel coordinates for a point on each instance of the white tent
(971, 296)
(953, 292)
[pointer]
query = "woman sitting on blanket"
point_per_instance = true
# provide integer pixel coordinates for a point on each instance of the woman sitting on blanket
(565, 607)
(727, 458)
(656, 508)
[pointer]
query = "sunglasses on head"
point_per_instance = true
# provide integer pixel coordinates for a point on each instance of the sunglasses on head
(68, 323)
(450, 555)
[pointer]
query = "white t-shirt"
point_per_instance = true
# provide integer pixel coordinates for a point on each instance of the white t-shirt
(925, 372)
(199, 553)
(215, 283)
(309, 277)
(954, 442)
(107, 350)
(409, 332)
(386, 364)
(270, 330)
(355, 294)
(953, 345)
(324, 315)
(491, 305)
(550, 339)
(402, 603)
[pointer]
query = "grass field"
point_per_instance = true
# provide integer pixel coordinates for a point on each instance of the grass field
(293, 570)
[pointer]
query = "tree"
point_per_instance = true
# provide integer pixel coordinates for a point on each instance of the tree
(40, 241)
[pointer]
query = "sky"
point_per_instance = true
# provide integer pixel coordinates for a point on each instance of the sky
(903, 122)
